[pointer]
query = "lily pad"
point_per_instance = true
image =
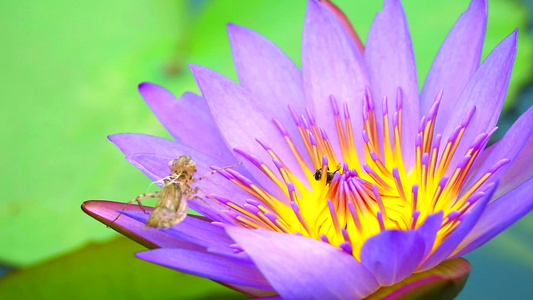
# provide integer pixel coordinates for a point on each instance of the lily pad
(108, 271)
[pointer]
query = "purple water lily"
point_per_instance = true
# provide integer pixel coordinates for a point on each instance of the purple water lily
(351, 180)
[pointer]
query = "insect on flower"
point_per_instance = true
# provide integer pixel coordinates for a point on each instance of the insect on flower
(171, 207)
(329, 176)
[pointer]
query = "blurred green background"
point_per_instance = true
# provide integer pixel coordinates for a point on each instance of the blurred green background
(69, 75)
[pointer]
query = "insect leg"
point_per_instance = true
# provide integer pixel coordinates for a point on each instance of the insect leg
(215, 171)
(197, 198)
(192, 196)
(154, 194)
(196, 190)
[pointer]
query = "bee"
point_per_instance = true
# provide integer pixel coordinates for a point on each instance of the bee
(318, 175)
(171, 207)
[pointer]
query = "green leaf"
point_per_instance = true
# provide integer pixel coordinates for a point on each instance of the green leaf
(108, 271)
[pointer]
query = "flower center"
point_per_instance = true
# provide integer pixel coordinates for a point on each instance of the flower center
(353, 197)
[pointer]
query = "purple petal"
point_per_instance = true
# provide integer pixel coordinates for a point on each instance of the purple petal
(193, 229)
(265, 71)
(107, 211)
(257, 293)
(134, 143)
(393, 255)
(486, 91)
(153, 166)
(163, 151)
(241, 120)
(457, 60)
(186, 119)
(208, 265)
(429, 230)
(520, 170)
(341, 16)
(390, 63)
(271, 77)
(468, 220)
(303, 268)
(331, 65)
(508, 147)
(498, 216)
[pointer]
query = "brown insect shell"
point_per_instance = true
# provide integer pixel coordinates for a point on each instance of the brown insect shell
(183, 164)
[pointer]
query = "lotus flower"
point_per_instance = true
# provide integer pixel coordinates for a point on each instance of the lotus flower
(352, 180)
